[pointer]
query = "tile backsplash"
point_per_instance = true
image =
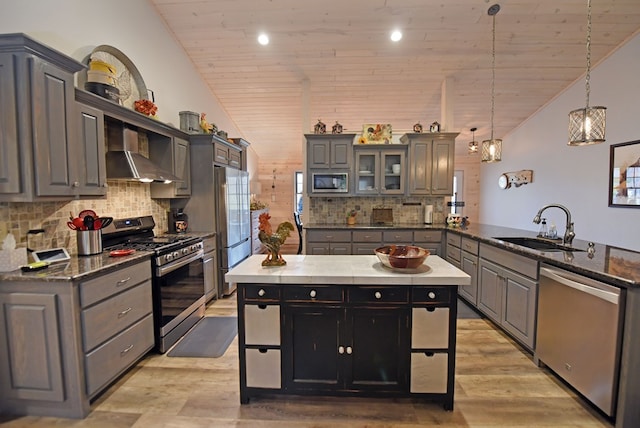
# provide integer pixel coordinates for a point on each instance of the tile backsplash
(408, 210)
(124, 199)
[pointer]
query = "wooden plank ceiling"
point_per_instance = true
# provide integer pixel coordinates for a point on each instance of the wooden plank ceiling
(333, 59)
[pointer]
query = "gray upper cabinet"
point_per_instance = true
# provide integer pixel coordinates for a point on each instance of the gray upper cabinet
(329, 151)
(431, 162)
(173, 155)
(374, 169)
(39, 138)
(91, 149)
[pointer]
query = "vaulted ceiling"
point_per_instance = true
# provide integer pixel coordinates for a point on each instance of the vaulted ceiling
(333, 60)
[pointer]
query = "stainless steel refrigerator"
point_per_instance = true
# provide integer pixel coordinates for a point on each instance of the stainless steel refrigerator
(233, 222)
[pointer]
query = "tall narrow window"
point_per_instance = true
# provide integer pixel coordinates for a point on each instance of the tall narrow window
(457, 203)
(299, 192)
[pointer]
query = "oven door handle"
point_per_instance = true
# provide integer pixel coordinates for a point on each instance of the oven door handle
(163, 270)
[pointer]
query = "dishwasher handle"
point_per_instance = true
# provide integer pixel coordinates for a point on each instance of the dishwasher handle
(601, 291)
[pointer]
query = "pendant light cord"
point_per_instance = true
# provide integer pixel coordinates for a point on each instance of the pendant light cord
(588, 75)
(493, 11)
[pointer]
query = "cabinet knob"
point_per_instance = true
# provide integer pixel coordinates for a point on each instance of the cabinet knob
(431, 295)
(261, 292)
(76, 184)
(340, 349)
(377, 295)
(349, 350)
(312, 293)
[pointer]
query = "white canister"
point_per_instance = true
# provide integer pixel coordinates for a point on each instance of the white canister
(428, 214)
(395, 168)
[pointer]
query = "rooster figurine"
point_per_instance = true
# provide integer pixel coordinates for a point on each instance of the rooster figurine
(272, 240)
(207, 128)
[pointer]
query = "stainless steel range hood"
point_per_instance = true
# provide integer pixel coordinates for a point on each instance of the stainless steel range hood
(124, 162)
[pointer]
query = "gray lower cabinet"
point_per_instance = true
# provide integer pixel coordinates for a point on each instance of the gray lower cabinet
(62, 343)
(39, 145)
(507, 292)
(335, 242)
(365, 241)
(469, 264)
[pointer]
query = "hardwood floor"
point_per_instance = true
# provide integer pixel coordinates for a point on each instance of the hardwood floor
(497, 385)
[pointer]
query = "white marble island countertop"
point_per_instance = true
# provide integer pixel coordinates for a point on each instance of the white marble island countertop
(345, 270)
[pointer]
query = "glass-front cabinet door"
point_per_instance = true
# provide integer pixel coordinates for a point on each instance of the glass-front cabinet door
(393, 172)
(367, 176)
(380, 170)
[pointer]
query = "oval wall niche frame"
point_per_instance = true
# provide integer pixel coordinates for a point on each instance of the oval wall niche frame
(128, 79)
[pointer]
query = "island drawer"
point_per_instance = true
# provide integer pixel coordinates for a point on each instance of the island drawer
(109, 360)
(313, 293)
(380, 294)
(367, 236)
(104, 286)
(329, 235)
(263, 368)
(430, 328)
(429, 372)
(262, 325)
(108, 318)
(398, 237)
(431, 295)
(427, 236)
(261, 293)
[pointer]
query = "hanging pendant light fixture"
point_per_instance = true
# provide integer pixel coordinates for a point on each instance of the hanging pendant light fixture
(586, 125)
(473, 145)
(492, 149)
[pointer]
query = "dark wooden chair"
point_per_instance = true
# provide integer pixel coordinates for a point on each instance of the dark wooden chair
(296, 217)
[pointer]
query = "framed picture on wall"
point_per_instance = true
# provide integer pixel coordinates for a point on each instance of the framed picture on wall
(624, 175)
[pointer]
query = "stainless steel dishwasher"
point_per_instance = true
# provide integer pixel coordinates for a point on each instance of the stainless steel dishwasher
(578, 333)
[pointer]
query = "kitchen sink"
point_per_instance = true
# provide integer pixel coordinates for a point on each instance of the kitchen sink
(538, 244)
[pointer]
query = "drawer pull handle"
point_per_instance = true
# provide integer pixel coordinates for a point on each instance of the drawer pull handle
(340, 350)
(377, 295)
(126, 350)
(123, 281)
(312, 294)
(431, 295)
(261, 292)
(123, 313)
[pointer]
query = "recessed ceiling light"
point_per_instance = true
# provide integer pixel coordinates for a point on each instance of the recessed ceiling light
(263, 39)
(396, 35)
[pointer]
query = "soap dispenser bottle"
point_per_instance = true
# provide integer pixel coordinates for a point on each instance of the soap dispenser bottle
(543, 229)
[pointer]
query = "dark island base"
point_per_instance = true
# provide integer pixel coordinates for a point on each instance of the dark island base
(347, 341)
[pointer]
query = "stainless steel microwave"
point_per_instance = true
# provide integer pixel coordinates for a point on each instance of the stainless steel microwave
(331, 182)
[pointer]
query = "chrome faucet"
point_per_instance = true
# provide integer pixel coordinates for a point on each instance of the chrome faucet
(569, 234)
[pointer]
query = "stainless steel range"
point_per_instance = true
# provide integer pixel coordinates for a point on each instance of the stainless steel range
(178, 276)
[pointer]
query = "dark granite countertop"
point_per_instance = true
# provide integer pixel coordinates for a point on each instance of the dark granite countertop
(617, 266)
(613, 265)
(78, 267)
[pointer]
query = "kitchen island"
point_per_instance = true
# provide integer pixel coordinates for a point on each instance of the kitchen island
(348, 326)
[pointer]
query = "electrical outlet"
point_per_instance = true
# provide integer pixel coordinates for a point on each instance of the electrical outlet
(3, 230)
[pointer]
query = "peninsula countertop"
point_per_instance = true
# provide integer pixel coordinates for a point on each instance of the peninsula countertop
(345, 270)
